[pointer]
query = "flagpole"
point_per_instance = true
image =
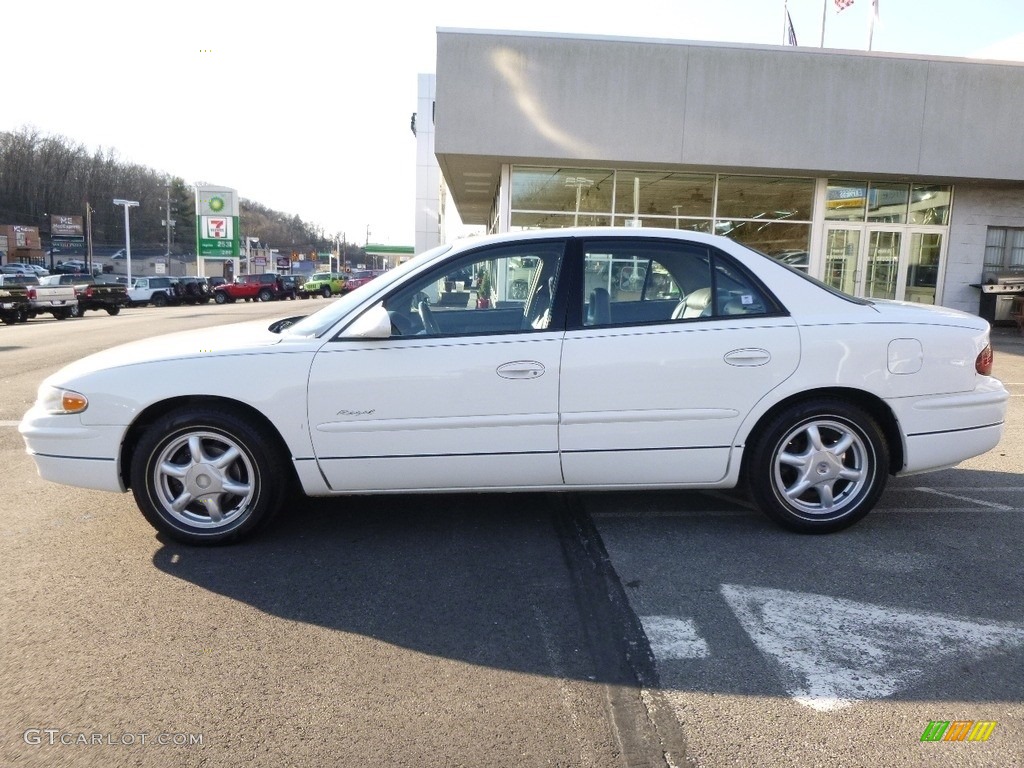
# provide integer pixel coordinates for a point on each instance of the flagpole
(785, 12)
(874, 15)
(824, 12)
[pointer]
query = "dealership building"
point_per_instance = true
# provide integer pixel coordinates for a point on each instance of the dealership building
(885, 175)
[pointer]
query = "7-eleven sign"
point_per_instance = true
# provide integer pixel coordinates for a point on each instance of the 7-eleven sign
(217, 227)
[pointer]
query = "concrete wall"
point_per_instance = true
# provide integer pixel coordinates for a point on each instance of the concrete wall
(976, 207)
(428, 174)
(565, 98)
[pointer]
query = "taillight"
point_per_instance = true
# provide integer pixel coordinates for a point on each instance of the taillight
(983, 363)
(31, 292)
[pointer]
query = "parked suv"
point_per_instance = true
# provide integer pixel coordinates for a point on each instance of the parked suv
(263, 287)
(158, 291)
(193, 290)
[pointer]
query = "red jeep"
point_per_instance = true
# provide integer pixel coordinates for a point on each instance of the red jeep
(265, 287)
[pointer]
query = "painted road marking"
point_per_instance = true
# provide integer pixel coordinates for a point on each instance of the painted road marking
(9, 423)
(1003, 507)
(831, 652)
(673, 638)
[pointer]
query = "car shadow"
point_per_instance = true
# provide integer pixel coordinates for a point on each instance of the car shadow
(525, 581)
(480, 578)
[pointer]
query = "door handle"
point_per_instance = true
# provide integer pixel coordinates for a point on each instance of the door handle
(521, 369)
(748, 357)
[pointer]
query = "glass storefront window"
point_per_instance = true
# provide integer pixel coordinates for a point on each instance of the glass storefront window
(664, 194)
(923, 267)
(764, 197)
(887, 203)
(929, 204)
(562, 189)
(529, 220)
(844, 200)
(785, 241)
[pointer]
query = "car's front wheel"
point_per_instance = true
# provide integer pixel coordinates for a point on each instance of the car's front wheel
(818, 466)
(206, 477)
(113, 310)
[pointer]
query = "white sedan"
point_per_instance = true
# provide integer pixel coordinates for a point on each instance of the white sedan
(572, 359)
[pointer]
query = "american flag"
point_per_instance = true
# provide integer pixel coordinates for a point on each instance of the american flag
(843, 4)
(790, 32)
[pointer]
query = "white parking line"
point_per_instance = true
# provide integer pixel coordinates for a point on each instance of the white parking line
(9, 423)
(969, 499)
(672, 638)
(831, 652)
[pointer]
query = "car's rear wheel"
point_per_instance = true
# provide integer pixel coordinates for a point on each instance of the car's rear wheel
(818, 466)
(206, 477)
(326, 291)
(220, 297)
(159, 300)
(266, 295)
(113, 310)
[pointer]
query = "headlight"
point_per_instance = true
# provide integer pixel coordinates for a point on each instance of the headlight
(55, 400)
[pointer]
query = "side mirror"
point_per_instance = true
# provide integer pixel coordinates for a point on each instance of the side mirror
(374, 323)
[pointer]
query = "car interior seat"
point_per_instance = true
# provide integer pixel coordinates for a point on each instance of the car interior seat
(696, 303)
(600, 307)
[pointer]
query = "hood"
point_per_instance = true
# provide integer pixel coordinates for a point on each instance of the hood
(913, 313)
(234, 339)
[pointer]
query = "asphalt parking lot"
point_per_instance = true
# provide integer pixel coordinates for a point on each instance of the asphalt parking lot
(506, 630)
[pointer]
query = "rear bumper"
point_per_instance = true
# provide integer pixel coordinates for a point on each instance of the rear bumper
(943, 430)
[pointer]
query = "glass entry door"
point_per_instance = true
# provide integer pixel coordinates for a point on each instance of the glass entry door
(842, 257)
(864, 260)
(881, 263)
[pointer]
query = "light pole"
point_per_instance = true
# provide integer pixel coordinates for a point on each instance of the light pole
(127, 235)
(581, 183)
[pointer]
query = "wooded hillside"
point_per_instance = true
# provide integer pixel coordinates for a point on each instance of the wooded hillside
(42, 175)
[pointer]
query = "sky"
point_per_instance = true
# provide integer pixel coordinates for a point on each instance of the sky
(305, 106)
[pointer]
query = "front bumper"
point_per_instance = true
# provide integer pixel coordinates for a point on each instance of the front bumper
(68, 452)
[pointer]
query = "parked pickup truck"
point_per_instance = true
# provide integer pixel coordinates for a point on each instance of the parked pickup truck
(61, 301)
(14, 306)
(92, 294)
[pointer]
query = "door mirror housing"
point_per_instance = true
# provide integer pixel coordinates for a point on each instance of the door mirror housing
(374, 323)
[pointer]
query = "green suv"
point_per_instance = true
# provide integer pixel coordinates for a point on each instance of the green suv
(325, 284)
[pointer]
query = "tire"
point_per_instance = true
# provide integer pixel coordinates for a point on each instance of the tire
(266, 295)
(818, 466)
(159, 299)
(75, 310)
(62, 314)
(326, 291)
(10, 319)
(176, 464)
(220, 297)
(113, 310)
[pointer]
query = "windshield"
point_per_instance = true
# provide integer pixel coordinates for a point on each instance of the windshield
(323, 320)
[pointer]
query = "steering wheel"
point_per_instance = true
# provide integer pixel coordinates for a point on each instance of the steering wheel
(427, 317)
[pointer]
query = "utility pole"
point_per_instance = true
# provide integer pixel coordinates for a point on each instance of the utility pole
(88, 238)
(167, 221)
